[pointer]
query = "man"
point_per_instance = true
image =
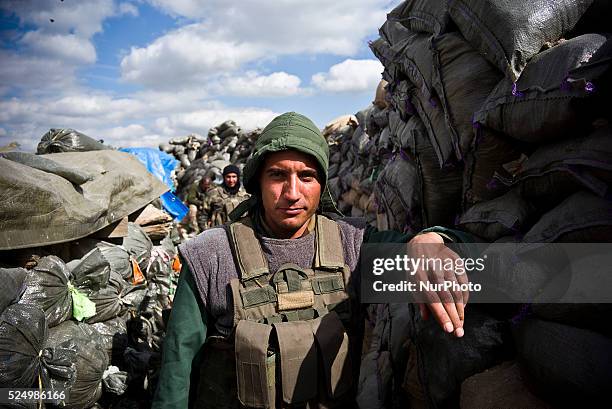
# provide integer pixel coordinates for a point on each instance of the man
(224, 198)
(266, 309)
(199, 205)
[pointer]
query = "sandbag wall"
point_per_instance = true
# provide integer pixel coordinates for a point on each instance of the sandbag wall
(501, 127)
(91, 323)
(207, 156)
(359, 147)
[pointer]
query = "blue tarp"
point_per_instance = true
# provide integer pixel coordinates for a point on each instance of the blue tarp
(161, 165)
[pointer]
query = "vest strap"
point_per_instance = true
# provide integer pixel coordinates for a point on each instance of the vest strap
(329, 252)
(250, 257)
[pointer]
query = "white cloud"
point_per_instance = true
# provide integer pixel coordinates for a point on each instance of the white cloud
(350, 76)
(227, 36)
(252, 84)
(66, 47)
(127, 9)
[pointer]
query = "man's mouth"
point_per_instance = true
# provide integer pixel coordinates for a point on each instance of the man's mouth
(292, 211)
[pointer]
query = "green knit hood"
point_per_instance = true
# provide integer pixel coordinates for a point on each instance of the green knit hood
(287, 131)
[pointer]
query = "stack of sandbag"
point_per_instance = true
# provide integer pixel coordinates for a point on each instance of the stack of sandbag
(500, 127)
(359, 147)
(107, 307)
(207, 156)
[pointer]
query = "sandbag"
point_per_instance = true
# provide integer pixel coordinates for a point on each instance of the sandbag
(138, 246)
(462, 80)
(499, 387)
(398, 195)
(115, 381)
(538, 108)
(108, 330)
(108, 304)
(581, 218)
(440, 188)
(443, 140)
(509, 33)
(25, 356)
(566, 365)
(118, 259)
(47, 288)
(491, 155)
(555, 171)
(399, 98)
(580, 295)
(67, 140)
(45, 164)
(422, 15)
(445, 361)
(13, 286)
(503, 216)
(92, 272)
(48, 209)
(91, 362)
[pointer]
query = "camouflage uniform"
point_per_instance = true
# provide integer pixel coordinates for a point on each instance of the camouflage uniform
(221, 203)
(199, 207)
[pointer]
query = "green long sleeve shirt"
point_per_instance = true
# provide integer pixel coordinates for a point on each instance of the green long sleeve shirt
(187, 328)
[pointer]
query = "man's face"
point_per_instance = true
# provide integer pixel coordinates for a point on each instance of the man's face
(290, 192)
(230, 180)
(205, 184)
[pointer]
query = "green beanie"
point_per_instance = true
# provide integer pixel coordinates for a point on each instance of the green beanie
(287, 131)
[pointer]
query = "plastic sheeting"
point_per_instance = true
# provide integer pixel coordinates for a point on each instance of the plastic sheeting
(161, 165)
(46, 208)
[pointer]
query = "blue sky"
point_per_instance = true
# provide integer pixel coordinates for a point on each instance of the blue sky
(139, 72)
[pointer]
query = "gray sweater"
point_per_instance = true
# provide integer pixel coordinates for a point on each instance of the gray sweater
(211, 262)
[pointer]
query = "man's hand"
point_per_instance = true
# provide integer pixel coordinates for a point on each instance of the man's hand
(447, 307)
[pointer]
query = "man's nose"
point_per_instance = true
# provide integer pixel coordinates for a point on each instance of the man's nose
(291, 191)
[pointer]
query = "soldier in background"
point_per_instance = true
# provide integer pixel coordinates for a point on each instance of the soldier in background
(224, 198)
(198, 218)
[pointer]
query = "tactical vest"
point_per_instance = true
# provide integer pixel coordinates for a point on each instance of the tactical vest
(228, 204)
(290, 343)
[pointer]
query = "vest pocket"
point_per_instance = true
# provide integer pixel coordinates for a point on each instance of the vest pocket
(333, 345)
(298, 361)
(255, 368)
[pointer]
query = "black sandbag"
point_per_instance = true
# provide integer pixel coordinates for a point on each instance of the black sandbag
(13, 286)
(115, 381)
(493, 219)
(510, 32)
(138, 245)
(444, 141)
(67, 140)
(440, 187)
(74, 175)
(399, 98)
(445, 361)
(118, 259)
(398, 194)
(24, 355)
(463, 80)
(540, 106)
(91, 362)
(110, 329)
(555, 171)
(422, 15)
(91, 273)
(514, 275)
(491, 154)
(48, 288)
(568, 366)
(581, 218)
(579, 295)
(108, 304)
